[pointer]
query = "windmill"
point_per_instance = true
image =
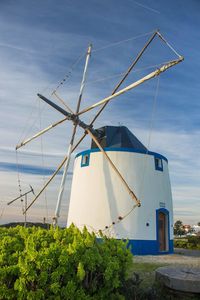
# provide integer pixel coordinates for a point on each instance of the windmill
(88, 129)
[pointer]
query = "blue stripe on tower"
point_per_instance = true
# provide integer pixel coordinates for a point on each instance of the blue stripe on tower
(123, 150)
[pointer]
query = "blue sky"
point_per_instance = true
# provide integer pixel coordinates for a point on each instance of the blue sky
(40, 40)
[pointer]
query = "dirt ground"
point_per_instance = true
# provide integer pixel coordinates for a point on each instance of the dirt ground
(181, 257)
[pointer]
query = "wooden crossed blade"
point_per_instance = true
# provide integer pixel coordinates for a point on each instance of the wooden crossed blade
(88, 128)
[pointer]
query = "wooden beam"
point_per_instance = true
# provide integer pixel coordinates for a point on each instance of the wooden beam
(133, 85)
(40, 133)
(62, 185)
(131, 193)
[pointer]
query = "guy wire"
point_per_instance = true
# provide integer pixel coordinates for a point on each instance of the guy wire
(18, 179)
(43, 163)
(122, 41)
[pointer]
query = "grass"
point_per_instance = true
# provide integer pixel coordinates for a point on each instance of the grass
(146, 272)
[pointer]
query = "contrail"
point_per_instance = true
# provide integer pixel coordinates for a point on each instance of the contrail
(5, 45)
(147, 7)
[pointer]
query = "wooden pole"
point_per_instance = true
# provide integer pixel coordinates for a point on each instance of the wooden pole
(84, 78)
(133, 85)
(61, 190)
(66, 157)
(131, 193)
(62, 101)
(40, 133)
(54, 174)
(127, 73)
(119, 83)
(47, 183)
(25, 208)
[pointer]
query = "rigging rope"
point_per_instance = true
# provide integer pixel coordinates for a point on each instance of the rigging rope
(67, 76)
(141, 189)
(168, 44)
(18, 179)
(120, 218)
(61, 101)
(121, 74)
(28, 129)
(2, 211)
(43, 163)
(122, 41)
(24, 131)
(69, 73)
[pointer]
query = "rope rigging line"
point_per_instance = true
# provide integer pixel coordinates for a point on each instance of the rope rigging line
(28, 129)
(62, 101)
(123, 41)
(120, 218)
(24, 131)
(168, 44)
(67, 76)
(141, 189)
(121, 74)
(2, 211)
(69, 73)
(18, 180)
(43, 163)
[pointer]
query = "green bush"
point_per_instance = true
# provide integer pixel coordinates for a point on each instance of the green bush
(190, 242)
(180, 244)
(194, 242)
(61, 264)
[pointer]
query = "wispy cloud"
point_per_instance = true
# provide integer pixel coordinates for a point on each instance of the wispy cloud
(27, 169)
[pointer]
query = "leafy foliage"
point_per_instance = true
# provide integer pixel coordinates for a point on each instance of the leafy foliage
(190, 242)
(178, 228)
(61, 264)
(194, 242)
(180, 243)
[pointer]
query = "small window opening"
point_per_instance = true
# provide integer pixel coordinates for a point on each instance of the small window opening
(85, 160)
(158, 164)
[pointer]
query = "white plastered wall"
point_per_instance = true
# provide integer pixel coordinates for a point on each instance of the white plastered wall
(98, 197)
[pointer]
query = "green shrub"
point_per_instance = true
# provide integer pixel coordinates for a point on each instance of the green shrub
(180, 244)
(194, 242)
(190, 242)
(61, 264)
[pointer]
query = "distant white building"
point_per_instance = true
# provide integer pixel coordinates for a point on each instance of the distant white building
(98, 198)
(196, 228)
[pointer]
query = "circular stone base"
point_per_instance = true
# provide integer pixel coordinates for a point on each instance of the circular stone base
(179, 278)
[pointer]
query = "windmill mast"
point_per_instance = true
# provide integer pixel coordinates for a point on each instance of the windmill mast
(62, 185)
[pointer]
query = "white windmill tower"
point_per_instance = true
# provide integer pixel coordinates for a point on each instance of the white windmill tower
(107, 177)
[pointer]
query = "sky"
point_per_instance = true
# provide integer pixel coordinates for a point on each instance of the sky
(44, 42)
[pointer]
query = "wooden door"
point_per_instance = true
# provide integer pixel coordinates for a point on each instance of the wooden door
(162, 231)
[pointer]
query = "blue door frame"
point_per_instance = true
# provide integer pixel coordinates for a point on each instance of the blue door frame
(169, 243)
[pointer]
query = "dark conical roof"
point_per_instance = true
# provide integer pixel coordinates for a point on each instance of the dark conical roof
(118, 137)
